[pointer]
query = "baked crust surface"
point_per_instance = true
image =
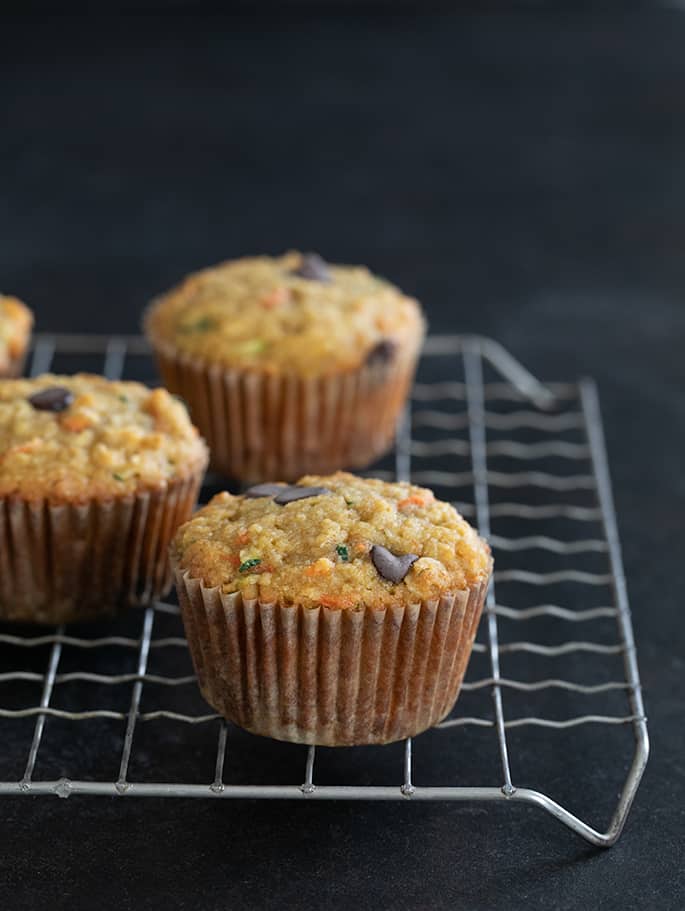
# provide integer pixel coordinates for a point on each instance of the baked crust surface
(319, 550)
(16, 321)
(112, 439)
(259, 313)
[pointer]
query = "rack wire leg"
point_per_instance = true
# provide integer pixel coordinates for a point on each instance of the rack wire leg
(475, 398)
(137, 692)
(590, 403)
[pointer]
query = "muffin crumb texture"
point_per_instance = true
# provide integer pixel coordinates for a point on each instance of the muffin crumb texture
(80, 438)
(286, 314)
(357, 543)
(15, 325)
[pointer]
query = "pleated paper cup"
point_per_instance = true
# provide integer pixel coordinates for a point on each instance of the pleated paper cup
(261, 426)
(329, 677)
(74, 562)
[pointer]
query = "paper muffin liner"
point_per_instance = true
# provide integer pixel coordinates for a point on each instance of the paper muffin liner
(329, 677)
(75, 562)
(262, 426)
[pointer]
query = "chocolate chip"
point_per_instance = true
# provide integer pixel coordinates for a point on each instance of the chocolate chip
(264, 490)
(390, 566)
(292, 493)
(382, 353)
(54, 398)
(313, 268)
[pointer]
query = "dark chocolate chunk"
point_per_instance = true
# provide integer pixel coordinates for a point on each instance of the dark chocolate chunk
(390, 566)
(292, 493)
(54, 398)
(313, 268)
(382, 353)
(264, 490)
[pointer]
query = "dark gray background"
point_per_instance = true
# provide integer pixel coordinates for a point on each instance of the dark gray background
(523, 174)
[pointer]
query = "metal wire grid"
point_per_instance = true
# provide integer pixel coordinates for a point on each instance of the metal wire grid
(539, 412)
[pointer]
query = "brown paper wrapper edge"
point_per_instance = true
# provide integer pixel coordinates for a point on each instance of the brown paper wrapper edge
(262, 426)
(75, 562)
(329, 677)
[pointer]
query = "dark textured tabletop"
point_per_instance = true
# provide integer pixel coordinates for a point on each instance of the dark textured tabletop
(524, 175)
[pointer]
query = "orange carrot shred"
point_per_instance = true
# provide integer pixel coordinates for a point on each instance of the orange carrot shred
(414, 500)
(75, 422)
(275, 298)
(320, 567)
(334, 601)
(26, 447)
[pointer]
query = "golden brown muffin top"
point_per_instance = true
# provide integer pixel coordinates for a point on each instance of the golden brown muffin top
(15, 325)
(79, 438)
(347, 542)
(286, 314)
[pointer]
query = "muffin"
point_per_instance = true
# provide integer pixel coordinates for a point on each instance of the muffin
(95, 478)
(15, 331)
(336, 611)
(289, 365)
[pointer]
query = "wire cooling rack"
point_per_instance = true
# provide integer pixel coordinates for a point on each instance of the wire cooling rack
(527, 464)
